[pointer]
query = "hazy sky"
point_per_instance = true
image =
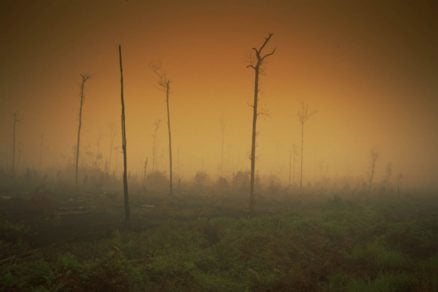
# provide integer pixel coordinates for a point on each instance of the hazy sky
(370, 68)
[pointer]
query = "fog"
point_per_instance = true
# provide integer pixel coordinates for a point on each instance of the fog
(234, 145)
(370, 73)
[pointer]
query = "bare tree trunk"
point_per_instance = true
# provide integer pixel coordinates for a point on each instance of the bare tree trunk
(290, 168)
(78, 138)
(302, 155)
(294, 163)
(256, 66)
(125, 162)
(170, 139)
(303, 116)
(222, 124)
(253, 140)
(164, 84)
(14, 143)
(154, 144)
(374, 155)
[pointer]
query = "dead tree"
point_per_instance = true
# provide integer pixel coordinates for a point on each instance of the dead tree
(304, 114)
(290, 168)
(256, 65)
(164, 85)
(14, 143)
(222, 125)
(292, 163)
(374, 155)
(125, 162)
(78, 137)
(154, 144)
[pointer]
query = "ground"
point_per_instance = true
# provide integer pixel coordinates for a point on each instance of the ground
(294, 242)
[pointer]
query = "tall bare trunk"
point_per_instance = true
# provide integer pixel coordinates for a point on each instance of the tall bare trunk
(154, 144)
(14, 143)
(125, 162)
(256, 66)
(78, 137)
(170, 139)
(374, 155)
(290, 167)
(164, 84)
(303, 116)
(294, 163)
(302, 155)
(222, 124)
(253, 139)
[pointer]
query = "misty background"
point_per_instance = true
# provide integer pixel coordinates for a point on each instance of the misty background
(369, 68)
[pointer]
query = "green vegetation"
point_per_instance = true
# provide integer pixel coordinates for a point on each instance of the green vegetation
(198, 243)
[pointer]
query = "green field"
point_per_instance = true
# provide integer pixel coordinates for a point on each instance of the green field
(294, 242)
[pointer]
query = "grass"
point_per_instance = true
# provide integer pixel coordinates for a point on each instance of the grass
(199, 243)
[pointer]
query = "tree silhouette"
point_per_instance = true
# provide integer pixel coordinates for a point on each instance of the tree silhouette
(304, 114)
(85, 78)
(256, 65)
(16, 120)
(125, 162)
(164, 85)
(222, 128)
(374, 155)
(154, 144)
(292, 164)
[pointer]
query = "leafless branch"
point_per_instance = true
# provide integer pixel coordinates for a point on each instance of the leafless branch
(163, 81)
(269, 54)
(265, 42)
(304, 114)
(259, 53)
(85, 77)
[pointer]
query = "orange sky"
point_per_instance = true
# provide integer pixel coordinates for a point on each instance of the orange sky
(369, 68)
